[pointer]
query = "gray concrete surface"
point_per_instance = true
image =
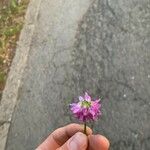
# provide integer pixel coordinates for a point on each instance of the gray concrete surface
(102, 47)
(14, 81)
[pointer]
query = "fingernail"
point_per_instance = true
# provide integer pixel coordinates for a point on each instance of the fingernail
(77, 141)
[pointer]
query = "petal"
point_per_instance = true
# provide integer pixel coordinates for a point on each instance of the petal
(92, 112)
(97, 100)
(75, 107)
(75, 110)
(87, 97)
(81, 98)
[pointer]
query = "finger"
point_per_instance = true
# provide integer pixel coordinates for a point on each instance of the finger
(79, 141)
(61, 135)
(98, 142)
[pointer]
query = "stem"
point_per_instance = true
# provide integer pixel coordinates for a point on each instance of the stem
(84, 127)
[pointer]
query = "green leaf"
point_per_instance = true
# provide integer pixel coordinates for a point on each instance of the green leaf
(14, 6)
(1, 44)
(2, 76)
(12, 30)
(14, 3)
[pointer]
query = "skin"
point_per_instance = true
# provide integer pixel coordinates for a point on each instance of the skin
(71, 137)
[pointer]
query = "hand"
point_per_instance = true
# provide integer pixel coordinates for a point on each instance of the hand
(71, 137)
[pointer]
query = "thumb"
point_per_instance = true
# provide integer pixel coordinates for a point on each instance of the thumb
(76, 142)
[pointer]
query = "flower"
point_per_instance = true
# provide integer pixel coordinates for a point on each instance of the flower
(86, 109)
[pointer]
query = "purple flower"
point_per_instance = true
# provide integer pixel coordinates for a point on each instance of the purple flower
(86, 109)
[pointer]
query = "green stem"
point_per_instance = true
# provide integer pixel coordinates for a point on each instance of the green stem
(84, 127)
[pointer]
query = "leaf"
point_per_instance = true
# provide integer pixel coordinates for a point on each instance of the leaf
(2, 76)
(12, 30)
(14, 6)
(14, 3)
(1, 44)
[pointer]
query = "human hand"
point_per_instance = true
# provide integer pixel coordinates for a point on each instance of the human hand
(71, 137)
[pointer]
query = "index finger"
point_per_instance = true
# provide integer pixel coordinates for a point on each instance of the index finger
(98, 142)
(61, 135)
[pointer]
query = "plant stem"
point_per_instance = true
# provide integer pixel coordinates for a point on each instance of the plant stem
(84, 127)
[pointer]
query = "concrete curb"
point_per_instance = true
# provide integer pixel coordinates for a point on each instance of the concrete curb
(10, 94)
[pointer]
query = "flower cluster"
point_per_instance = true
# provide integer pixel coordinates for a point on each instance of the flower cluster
(86, 109)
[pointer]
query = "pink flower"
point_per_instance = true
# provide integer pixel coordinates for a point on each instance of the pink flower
(86, 109)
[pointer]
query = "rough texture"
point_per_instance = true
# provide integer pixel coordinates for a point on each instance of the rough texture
(14, 81)
(104, 49)
(31, 76)
(3, 134)
(112, 59)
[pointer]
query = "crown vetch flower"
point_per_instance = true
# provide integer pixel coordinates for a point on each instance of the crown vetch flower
(86, 109)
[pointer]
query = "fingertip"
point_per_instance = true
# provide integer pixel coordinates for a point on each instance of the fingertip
(79, 128)
(78, 141)
(98, 141)
(88, 130)
(103, 140)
